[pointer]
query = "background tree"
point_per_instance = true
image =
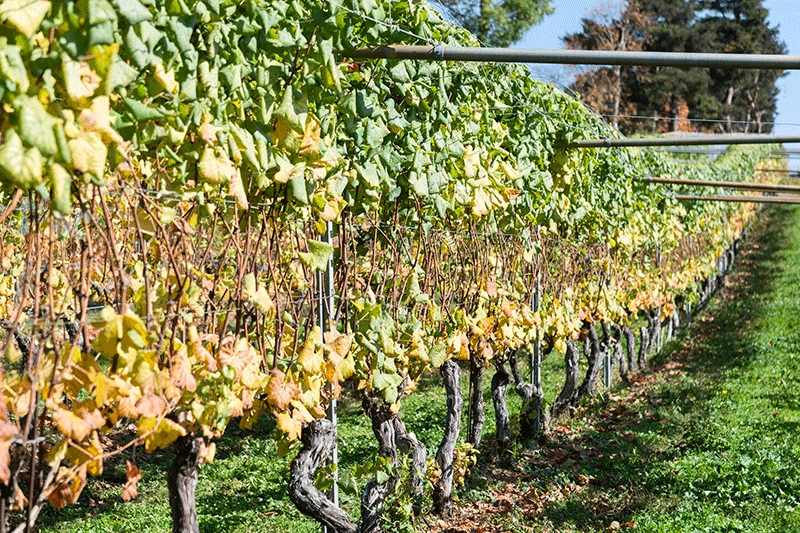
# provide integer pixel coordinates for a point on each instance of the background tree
(610, 27)
(497, 22)
(733, 100)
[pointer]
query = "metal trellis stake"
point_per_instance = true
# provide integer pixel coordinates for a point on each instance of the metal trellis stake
(536, 356)
(326, 311)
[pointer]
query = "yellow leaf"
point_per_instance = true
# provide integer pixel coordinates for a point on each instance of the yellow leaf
(289, 425)
(287, 170)
(310, 357)
(215, 167)
(89, 154)
(68, 488)
(77, 426)
(166, 79)
(7, 433)
(25, 15)
(236, 189)
(151, 406)
(310, 144)
(158, 434)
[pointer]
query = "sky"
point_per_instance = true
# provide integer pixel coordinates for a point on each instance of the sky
(567, 19)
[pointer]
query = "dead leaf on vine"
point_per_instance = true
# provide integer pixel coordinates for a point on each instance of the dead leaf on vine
(280, 392)
(130, 491)
(68, 490)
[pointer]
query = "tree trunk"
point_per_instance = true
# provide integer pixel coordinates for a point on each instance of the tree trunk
(442, 492)
(409, 445)
(182, 482)
(476, 414)
(532, 400)
(630, 351)
(500, 382)
(318, 439)
(572, 369)
(375, 493)
(644, 346)
(594, 359)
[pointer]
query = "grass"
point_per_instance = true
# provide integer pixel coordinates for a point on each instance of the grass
(706, 442)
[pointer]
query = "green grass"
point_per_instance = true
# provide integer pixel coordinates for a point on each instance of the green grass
(707, 444)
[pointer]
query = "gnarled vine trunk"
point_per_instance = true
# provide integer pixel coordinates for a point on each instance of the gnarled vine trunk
(594, 358)
(318, 439)
(532, 399)
(476, 404)
(565, 399)
(502, 421)
(375, 493)
(442, 492)
(182, 483)
(630, 352)
(644, 346)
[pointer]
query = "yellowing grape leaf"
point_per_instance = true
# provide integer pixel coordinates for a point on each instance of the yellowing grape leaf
(310, 357)
(77, 426)
(309, 146)
(89, 153)
(166, 78)
(318, 255)
(25, 15)
(133, 475)
(288, 171)
(279, 391)
(215, 167)
(289, 425)
(68, 488)
(159, 433)
(7, 433)
(151, 406)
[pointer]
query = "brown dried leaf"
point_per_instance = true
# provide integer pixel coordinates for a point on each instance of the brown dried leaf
(130, 491)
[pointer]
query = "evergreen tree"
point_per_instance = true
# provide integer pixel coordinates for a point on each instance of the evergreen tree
(735, 99)
(497, 22)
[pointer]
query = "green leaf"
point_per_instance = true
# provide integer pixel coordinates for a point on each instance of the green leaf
(286, 111)
(142, 112)
(62, 183)
(318, 255)
(19, 167)
(36, 125)
(330, 69)
(297, 186)
(437, 355)
(13, 68)
(132, 11)
(25, 15)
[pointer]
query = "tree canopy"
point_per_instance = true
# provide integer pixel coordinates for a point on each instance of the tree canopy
(497, 22)
(723, 100)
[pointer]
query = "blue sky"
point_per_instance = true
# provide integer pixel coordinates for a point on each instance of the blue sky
(567, 19)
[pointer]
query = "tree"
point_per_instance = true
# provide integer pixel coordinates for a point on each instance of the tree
(610, 27)
(497, 22)
(722, 100)
(746, 96)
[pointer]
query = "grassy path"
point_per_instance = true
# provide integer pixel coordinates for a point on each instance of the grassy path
(707, 441)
